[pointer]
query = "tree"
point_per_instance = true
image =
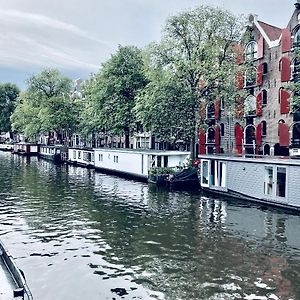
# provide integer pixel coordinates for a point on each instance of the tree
(110, 97)
(198, 50)
(46, 106)
(8, 95)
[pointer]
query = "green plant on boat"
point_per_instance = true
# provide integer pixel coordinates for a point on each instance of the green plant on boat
(161, 171)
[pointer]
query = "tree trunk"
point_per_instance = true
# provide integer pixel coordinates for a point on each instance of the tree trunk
(193, 148)
(127, 141)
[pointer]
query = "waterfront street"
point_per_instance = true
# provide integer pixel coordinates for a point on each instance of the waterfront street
(80, 234)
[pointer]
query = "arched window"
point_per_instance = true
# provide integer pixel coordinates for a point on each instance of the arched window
(296, 135)
(264, 97)
(251, 51)
(263, 128)
(210, 135)
(296, 37)
(264, 68)
(210, 110)
(250, 106)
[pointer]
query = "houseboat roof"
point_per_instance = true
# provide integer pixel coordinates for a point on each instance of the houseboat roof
(279, 160)
(144, 151)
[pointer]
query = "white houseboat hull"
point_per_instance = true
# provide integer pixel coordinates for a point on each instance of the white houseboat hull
(273, 181)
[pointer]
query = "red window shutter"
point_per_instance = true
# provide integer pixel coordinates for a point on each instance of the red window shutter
(202, 141)
(239, 138)
(259, 104)
(239, 49)
(217, 109)
(286, 40)
(239, 80)
(259, 75)
(258, 134)
(285, 69)
(284, 101)
(260, 47)
(217, 138)
(284, 135)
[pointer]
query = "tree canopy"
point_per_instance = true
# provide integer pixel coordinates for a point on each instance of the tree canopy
(8, 95)
(110, 96)
(197, 55)
(46, 105)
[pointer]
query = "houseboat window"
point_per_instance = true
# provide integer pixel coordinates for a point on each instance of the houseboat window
(116, 158)
(79, 154)
(158, 161)
(268, 189)
(281, 182)
(205, 173)
(74, 154)
(166, 159)
(222, 174)
(92, 157)
(100, 157)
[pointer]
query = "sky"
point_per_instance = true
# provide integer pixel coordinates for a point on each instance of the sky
(76, 36)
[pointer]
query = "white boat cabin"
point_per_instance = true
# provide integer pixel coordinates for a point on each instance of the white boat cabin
(81, 156)
(137, 162)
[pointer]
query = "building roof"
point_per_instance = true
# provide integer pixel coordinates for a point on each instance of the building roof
(271, 31)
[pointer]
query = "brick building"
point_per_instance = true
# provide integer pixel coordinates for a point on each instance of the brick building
(264, 122)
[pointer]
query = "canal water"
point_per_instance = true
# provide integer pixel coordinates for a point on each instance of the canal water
(80, 234)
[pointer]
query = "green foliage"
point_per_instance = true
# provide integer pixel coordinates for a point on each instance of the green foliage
(161, 171)
(46, 105)
(110, 96)
(294, 86)
(195, 62)
(8, 95)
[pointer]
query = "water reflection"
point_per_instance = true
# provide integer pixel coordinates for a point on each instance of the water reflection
(79, 234)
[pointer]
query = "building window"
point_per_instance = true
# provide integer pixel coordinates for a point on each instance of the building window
(210, 110)
(251, 51)
(264, 97)
(265, 68)
(222, 129)
(263, 128)
(294, 70)
(250, 106)
(222, 105)
(296, 38)
(250, 77)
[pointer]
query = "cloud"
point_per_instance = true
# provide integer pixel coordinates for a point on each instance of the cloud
(29, 39)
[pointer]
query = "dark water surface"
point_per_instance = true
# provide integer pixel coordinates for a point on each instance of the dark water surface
(79, 234)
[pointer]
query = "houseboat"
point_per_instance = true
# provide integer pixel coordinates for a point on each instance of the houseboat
(51, 152)
(270, 180)
(27, 149)
(83, 157)
(137, 163)
(6, 147)
(13, 284)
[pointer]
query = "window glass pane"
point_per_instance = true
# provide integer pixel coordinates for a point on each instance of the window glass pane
(268, 180)
(205, 172)
(281, 182)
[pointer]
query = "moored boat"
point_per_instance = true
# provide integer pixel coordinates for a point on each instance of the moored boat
(13, 284)
(137, 163)
(6, 147)
(83, 157)
(50, 152)
(27, 149)
(270, 180)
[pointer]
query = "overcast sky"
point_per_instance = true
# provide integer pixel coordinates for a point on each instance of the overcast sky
(76, 36)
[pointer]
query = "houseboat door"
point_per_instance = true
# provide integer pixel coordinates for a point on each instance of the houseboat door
(275, 182)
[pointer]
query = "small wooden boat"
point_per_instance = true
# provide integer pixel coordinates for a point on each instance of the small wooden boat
(13, 284)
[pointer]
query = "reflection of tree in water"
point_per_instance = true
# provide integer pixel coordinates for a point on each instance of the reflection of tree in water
(177, 243)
